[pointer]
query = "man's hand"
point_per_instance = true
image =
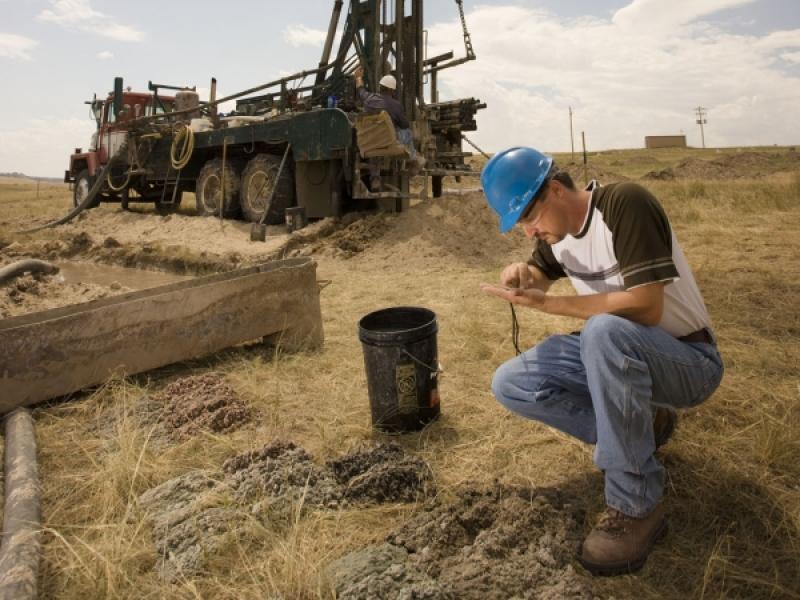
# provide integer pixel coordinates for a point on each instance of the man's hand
(643, 304)
(359, 73)
(517, 275)
(530, 297)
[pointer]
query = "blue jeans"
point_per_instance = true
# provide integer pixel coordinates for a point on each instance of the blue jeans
(406, 137)
(601, 386)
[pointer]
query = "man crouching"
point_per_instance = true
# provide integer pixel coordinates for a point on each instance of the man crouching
(647, 347)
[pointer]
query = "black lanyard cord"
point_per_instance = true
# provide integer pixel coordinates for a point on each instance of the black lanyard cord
(514, 329)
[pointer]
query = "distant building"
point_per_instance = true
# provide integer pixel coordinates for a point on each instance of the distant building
(665, 141)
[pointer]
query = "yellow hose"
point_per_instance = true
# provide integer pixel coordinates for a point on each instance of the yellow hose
(185, 136)
(123, 186)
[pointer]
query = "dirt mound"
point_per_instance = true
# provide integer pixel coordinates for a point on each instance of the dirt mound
(382, 473)
(282, 471)
(449, 230)
(357, 233)
(340, 238)
(501, 543)
(690, 168)
(458, 227)
(634, 161)
(576, 171)
(733, 166)
(202, 403)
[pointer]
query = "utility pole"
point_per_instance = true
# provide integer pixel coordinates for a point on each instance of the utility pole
(585, 160)
(701, 120)
(571, 135)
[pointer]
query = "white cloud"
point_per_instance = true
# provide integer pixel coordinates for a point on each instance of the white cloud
(42, 147)
(622, 85)
(792, 57)
(300, 35)
(780, 39)
(16, 46)
(646, 15)
(79, 15)
(105, 55)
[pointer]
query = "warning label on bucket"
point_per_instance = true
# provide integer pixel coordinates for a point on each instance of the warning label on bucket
(406, 378)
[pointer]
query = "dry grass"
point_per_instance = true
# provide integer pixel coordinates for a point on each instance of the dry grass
(733, 471)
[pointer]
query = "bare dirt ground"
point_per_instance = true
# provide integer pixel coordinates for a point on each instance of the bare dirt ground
(297, 501)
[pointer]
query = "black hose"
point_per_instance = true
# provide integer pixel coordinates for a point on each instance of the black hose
(29, 265)
(515, 329)
(86, 202)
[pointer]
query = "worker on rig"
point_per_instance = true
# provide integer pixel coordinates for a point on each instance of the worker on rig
(384, 100)
(646, 349)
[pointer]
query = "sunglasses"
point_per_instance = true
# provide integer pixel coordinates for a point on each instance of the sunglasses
(536, 199)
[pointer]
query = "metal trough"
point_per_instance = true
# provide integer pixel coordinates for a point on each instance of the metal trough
(56, 352)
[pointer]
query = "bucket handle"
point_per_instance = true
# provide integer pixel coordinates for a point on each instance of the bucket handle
(434, 371)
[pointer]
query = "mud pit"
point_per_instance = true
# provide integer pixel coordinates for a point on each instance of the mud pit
(505, 542)
(201, 403)
(37, 292)
(197, 514)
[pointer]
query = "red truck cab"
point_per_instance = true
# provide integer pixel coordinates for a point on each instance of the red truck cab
(85, 167)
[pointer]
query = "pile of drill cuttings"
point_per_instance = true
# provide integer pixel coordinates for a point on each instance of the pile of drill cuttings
(506, 542)
(202, 403)
(195, 516)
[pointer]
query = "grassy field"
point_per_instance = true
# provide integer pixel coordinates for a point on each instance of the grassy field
(734, 477)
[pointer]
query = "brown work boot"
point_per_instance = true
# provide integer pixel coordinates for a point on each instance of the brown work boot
(664, 422)
(620, 544)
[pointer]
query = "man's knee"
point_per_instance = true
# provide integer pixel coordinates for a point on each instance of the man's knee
(515, 383)
(605, 330)
(503, 387)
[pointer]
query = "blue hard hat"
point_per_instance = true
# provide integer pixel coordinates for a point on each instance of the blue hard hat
(511, 180)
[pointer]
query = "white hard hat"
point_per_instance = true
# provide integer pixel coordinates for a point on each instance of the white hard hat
(388, 81)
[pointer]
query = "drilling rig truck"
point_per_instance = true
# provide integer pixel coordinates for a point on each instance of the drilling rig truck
(299, 141)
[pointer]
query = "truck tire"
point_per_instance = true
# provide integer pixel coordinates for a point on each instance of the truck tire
(258, 181)
(84, 183)
(208, 189)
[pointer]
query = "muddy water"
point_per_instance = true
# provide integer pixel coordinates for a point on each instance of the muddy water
(107, 275)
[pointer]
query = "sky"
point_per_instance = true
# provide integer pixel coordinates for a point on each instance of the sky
(628, 68)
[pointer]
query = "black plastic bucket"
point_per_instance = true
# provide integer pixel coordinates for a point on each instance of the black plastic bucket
(402, 366)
